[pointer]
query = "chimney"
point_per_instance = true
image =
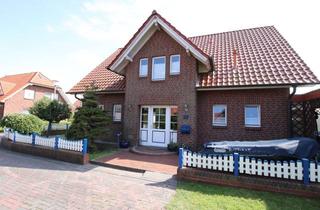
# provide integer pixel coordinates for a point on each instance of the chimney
(235, 54)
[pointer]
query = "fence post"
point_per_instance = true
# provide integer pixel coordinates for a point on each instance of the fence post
(306, 167)
(14, 136)
(84, 146)
(56, 142)
(180, 161)
(33, 135)
(236, 164)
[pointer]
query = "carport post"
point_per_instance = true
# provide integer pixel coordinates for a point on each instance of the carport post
(306, 168)
(236, 164)
(84, 146)
(180, 163)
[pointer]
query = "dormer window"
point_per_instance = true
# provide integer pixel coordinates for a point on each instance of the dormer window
(174, 64)
(143, 70)
(159, 68)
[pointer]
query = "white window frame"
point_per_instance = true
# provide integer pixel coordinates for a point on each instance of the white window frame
(158, 79)
(48, 95)
(101, 106)
(146, 74)
(226, 118)
(27, 94)
(113, 113)
(259, 116)
(177, 72)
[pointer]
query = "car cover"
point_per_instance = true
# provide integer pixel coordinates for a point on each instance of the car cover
(297, 148)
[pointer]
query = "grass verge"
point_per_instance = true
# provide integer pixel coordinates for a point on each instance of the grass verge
(102, 153)
(200, 196)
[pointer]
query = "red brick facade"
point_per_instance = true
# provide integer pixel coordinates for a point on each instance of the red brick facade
(1, 110)
(274, 114)
(178, 90)
(109, 100)
(18, 104)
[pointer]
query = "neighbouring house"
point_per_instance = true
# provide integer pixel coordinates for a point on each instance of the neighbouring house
(19, 92)
(164, 87)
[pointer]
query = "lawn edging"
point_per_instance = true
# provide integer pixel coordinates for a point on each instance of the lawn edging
(250, 182)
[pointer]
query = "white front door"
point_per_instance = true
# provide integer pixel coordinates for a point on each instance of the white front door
(158, 125)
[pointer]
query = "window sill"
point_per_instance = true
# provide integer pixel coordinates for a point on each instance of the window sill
(158, 80)
(220, 126)
(253, 128)
(116, 122)
(174, 74)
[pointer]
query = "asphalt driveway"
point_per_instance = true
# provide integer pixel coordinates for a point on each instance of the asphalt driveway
(29, 182)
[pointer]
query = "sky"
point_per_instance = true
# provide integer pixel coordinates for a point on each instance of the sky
(66, 39)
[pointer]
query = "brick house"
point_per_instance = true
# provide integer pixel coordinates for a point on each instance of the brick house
(164, 87)
(19, 92)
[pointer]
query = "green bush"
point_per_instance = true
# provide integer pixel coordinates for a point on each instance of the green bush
(173, 147)
(23, 123)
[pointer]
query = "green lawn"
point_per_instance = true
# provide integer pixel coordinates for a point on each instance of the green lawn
(103, 153)
(199, 196)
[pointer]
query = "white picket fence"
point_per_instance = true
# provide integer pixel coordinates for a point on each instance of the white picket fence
(70, 145)
(53, 142)
(293, 169)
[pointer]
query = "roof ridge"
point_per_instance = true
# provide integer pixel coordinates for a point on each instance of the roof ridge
(231, 31)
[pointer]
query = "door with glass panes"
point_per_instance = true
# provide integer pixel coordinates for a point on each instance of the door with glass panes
(158, 125)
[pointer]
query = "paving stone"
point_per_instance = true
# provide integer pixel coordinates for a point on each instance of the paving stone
(29, 182)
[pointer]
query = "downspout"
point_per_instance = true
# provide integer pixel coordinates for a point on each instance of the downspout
(290, 129)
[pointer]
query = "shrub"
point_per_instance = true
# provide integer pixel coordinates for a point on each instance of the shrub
(50, 110)
(173, 147)
(23, 123)
(89, 120)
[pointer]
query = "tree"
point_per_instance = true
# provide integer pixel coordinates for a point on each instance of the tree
(52, 111)
(89, 120)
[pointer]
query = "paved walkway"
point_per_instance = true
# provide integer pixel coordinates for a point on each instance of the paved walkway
(164, 164)
(28, 182)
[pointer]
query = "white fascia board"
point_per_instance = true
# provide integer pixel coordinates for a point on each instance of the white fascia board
(150, 28)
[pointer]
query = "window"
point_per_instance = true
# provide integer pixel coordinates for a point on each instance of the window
(48, 95)
(29, 94)
(158, 68)
(144, 117)
(174, 64)
(117, 112)
(174, 118)
(101, 106)
(219, 115)
(143, 70)
(159, 118)
(252, 115)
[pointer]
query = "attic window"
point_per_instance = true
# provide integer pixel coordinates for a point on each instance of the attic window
(143, 70)
(174, 64)
(159, 68)
(29, 94)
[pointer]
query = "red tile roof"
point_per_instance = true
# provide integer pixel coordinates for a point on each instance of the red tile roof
(12, 83)
(101, 78)
(263, 57)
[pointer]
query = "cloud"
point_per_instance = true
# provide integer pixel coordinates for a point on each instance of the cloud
(104, 21)
(50, 28)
